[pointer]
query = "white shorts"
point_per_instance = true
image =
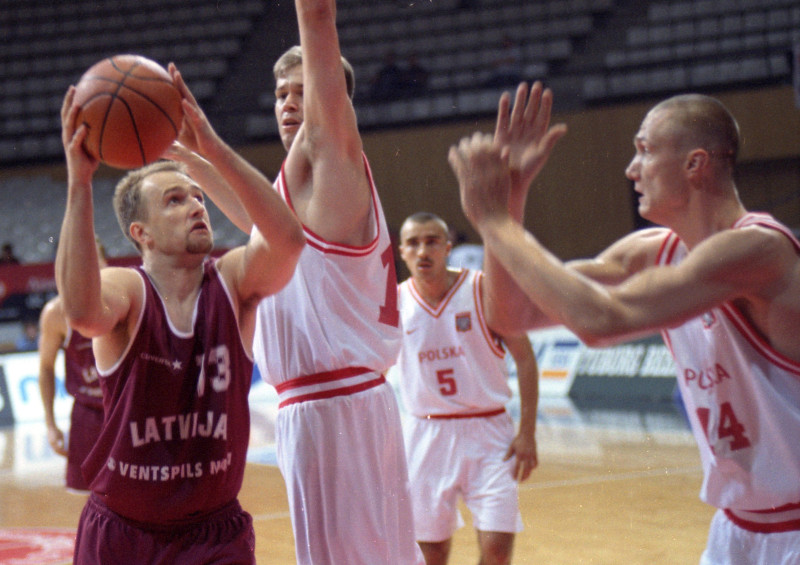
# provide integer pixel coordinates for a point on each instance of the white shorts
(461, 457)
(347, 482)
(728, 544)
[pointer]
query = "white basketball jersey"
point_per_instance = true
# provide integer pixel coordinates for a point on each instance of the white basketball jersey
(743, 401)
(338, 311)
(450, 362)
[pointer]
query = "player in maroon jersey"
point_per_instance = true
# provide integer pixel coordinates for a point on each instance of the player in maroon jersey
(80, 380)
(172, 342)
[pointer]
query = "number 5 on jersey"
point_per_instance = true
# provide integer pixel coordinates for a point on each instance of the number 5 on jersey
(447, 382)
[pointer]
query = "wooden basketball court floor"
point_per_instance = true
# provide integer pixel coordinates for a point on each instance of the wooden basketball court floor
(613, 487)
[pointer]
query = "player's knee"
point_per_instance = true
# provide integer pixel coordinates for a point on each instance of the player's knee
(496, 548)
(435, 553)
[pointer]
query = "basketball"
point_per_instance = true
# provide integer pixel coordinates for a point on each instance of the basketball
(132, 110)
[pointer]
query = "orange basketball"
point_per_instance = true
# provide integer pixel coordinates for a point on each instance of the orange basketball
(132, 109)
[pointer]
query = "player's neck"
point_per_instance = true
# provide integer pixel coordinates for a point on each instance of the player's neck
(176, 283)
(707, 219)
(433, 290)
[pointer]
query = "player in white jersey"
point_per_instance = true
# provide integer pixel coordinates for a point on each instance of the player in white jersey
(326, 342)
(460, 441)
(722, 284)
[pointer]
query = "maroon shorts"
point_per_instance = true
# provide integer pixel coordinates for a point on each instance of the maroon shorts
(224, 537)
(85, 425)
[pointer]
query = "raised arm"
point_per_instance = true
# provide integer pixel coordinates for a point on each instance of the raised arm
(730, 264)
(523, 447)
(214, 184)
(268, 260)
(91, 307)
(326, 159)
(530, 139)
(52, 332)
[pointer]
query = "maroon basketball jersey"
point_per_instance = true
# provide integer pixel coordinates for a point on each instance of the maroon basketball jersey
(177, 419)
(80, 374)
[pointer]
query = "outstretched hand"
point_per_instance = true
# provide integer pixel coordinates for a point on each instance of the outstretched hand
(481, 167)
(527, 132)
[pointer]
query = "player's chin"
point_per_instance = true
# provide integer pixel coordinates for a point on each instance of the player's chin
(200, 244)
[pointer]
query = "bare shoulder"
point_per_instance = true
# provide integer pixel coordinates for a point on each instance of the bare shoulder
(52, 318)
(757, 254)
(627, 256)
(123, 293)
(122, 278)
(647, 240)
(770, 263)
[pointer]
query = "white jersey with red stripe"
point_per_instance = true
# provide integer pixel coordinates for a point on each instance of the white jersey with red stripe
(450, 362)
(743, 401)
(324, 341)
(338, 312)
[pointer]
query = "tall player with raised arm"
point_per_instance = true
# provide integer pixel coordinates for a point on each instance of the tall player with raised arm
(326, 340)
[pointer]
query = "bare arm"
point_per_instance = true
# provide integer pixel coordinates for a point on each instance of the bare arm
(730, 264)
(267, 261)
(214, 185)
(90, 307)
(523, 447)
(526, 131)
(52, 332)
(326, 158)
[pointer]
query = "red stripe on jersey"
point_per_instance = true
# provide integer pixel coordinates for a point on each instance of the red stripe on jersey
(321, 378)
(667, 250)
(343, 391)
(320, 243)
(437, 311)
(488, 334)
(747, 331)
(765, 521)
(486, 414)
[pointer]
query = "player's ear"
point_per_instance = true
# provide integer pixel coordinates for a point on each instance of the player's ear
(139, 234)
(697, 160)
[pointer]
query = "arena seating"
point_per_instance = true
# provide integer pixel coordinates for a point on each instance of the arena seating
(48, 45)
(591, 51)
(699, 44)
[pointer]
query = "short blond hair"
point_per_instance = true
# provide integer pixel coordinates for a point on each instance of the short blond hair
(294, 57)
(703, 121)
(128, 204)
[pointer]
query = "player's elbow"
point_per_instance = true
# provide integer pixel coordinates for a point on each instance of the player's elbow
(87, 321)
(84, 325)
(295, 240)
(600, 328)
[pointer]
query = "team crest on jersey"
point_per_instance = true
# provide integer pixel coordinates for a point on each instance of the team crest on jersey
(708, 319)
(463, 322)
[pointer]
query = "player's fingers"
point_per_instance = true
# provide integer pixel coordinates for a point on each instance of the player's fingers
(518, 111)
(544, 111)
(454, 159)
(502, 125)
(180, 84)
(531, 105)
(67, 103)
